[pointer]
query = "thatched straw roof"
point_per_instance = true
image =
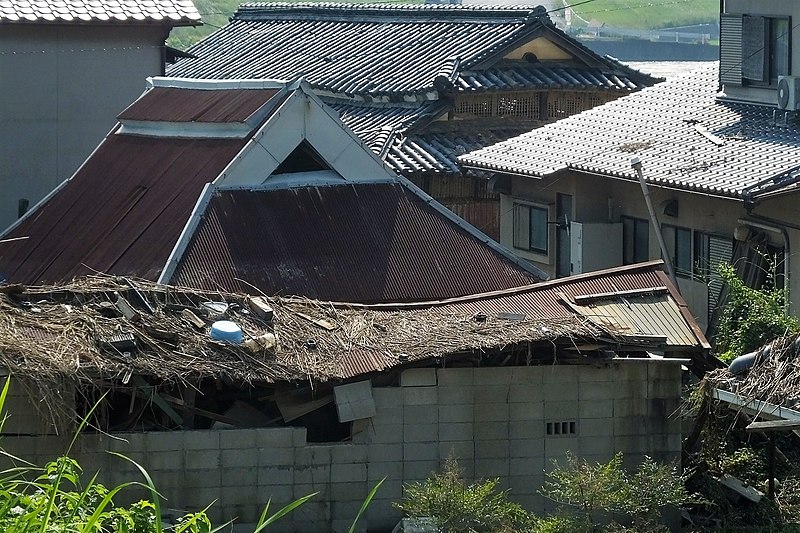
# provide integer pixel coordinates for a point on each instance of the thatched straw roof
(774, 376)
(56, 333)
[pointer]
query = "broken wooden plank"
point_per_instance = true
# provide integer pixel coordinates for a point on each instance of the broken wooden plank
(153, 396)
(126, 309)
(261, 308)
(773, 425)
(324, 324)
(746, 491)
(195, 320)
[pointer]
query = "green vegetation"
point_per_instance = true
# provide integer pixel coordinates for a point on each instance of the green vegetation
(751, 317)
(644, 15)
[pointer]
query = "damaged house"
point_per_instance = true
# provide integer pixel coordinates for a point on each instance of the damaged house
(301, 395)
(421, 84)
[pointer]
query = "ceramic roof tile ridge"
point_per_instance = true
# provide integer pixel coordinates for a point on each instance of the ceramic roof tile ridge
(442, 12)
(168, 12)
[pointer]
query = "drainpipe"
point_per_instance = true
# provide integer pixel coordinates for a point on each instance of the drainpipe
(636, 165)
(780, 228)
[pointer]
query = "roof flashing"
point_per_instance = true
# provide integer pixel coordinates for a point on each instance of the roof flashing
(185, 130)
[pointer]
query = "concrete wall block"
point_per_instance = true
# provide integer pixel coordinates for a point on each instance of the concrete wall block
(312, 455)
(347, 473)
(381, 514)
(460, 450)
(665, 443)
(524, 448)
(231, 439)
(558, 447)
(593, 409)
(90, 443)
(601, 391)
(349, 492)
(234, 458)
(492, 412)
(421, 432)
(630, 407)
(525, 484)
(202, 459)
(633, 425)
(455, 377)
(275, 437)
(560, 410)
(456, 413)
(418, 377)
(496, 375)
(299, 437)
(379, 453)
(527, 429)
(456, 432)
(170, 460)
(420, 414)
(491, 449)
(279, 495)
(633, 371)
(456, 395)
(390, 489)
(631, 389)
(387, 416)
(158, 441)
(527, 466)
(276, 456)
(202, 440)
(275, 475)
(657, 371)
(602, 446)
(239, 476)
(387, 434)
(49, 447)
(348, 453)
(560, 374)
(492, 468)
(300, 490)
(526, 411)
(664, 388)
(210, 477)
(419, 470)
(595, 427)
(390, 471)
(602, 373)
(361, 431)
(632, 444)
(202, 496)
(301, 474)
(526, 375)
(246, 514)
(491, 430)
(525, 393)
(90, 462)
(420, 451)
(484, 394)
(387, 397)
(420, 396)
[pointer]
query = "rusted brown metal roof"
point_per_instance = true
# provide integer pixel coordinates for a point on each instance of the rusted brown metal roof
(367, 243)
(121, 213)
(172, 104)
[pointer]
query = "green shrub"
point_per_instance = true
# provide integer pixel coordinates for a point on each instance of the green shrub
(456, 506)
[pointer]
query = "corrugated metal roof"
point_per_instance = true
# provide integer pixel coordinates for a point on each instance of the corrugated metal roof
(168, 12)
(663, 126)
(171, 104)
(359, 243)
(377, 49)
(121, 213)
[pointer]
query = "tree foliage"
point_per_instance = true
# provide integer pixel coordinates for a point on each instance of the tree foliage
(751, 317)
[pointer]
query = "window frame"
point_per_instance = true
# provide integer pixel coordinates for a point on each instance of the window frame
(765, 54)
(530, 207)
(631, 238)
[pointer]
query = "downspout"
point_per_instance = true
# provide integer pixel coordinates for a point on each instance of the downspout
(775, 226)
(636, 164)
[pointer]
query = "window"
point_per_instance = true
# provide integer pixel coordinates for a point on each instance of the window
(635, 240)
(753, 50)
(530, 228)
(695, 254)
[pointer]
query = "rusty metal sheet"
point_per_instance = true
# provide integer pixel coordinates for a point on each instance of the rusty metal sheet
(171, 104)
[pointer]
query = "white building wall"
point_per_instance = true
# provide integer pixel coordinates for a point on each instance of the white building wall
(493, 420)
(62, 88)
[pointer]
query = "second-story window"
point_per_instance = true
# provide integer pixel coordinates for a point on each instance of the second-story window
(765, 48)
(530, 228)
(635, 240)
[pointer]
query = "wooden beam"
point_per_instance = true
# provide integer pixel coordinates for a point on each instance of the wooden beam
(773, 425)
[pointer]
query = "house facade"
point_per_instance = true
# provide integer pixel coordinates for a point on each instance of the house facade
(67, 70)
(721, 175)
(505, 382)
(445, 79)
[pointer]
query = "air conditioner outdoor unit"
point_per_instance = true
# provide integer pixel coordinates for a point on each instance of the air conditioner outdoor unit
(788, 93)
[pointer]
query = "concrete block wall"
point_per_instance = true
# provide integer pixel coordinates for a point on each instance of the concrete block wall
(492, 420)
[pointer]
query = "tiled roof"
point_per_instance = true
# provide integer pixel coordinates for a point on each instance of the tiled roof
(685, 137)
(170, 12)
(548, 76)
(364, 243)
(384, 49)
(375, 123)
